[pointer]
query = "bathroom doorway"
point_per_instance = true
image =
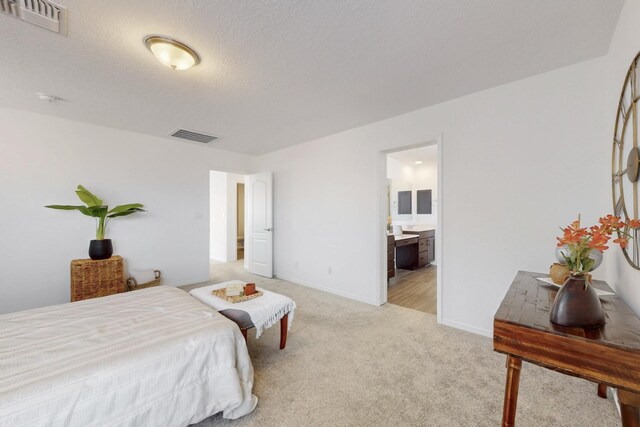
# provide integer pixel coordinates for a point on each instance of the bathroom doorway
(412, 224)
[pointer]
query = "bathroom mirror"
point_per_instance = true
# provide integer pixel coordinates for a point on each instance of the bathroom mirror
(404, 202)
(424, 202)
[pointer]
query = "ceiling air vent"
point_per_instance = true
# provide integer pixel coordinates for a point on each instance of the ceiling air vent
(194, 136)
(43, 13)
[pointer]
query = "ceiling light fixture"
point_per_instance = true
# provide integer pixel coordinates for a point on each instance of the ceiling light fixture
(418, 162)
(172, 53)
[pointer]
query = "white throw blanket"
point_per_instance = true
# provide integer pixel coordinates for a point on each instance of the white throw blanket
(265, 311)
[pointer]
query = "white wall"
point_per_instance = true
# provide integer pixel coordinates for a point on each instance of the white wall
(511, 156)
(43, 159)
(624, 47)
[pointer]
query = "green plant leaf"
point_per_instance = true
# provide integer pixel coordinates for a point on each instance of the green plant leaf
(87, 197)
(64, 207)
(125, 213)
(123, 208)
(94, 211)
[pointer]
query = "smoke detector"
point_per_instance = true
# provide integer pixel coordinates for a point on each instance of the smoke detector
(43, 13)
(44, 97)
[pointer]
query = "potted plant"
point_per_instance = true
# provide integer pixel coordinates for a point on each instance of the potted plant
(100, 248)
(577, 304)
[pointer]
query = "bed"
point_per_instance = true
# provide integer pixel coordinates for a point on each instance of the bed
(153, 357)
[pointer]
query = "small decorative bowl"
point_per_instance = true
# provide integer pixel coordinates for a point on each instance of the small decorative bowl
(596, 256)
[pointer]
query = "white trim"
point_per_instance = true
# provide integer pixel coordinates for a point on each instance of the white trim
(382, 236)
(355, 297)
(467, 328)
(439, 227)
(382, 219)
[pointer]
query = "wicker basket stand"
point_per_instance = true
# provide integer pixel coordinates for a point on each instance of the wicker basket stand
(96, 278)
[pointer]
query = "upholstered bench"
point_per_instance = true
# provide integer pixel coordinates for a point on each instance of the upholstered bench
(259, 313)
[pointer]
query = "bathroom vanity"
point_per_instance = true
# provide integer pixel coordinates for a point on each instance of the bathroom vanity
(414, 248)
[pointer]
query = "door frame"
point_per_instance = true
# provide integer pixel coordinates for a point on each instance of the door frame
(231, 255)
(382, 219)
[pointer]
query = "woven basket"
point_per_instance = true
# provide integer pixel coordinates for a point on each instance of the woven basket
(133, 285)
(96, 278)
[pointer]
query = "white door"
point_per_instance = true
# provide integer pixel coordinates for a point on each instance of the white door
(259, 227)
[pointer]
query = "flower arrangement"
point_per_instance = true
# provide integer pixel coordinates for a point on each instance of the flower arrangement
(580, 241)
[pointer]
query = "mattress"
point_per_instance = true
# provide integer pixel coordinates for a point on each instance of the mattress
(152, 357)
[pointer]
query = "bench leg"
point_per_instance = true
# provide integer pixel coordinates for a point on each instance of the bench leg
(629, 403)
(602, 391)
(284, 326)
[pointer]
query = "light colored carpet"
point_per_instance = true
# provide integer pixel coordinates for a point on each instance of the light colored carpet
(351, 364)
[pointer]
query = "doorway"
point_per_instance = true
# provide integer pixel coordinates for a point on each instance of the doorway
(241, 221)
(226, 228)
(411, 246)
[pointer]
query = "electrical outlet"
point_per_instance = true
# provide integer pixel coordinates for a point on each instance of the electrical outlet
(330, 270)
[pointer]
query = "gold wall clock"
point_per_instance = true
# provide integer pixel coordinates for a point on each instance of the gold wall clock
(626, 159)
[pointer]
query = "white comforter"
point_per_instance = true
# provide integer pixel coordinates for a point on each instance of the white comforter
(153, 357)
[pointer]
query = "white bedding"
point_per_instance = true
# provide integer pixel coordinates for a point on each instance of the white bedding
(153, 357)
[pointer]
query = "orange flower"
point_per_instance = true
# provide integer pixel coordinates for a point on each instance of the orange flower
(611, 223)
(622, 241)
(598, 241)
(634, 223)
(581, 241)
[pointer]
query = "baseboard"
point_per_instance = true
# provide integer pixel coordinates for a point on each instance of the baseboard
(358, 298)
(467, 328)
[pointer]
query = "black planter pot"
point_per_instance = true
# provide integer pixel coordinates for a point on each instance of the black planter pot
(100, 249)
(577, 305)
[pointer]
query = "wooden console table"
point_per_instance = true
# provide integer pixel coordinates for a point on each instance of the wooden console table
(91, 279)
(609, 356)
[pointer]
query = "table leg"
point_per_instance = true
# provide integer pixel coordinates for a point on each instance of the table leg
(602, 391)
(514, 365)
(244, 334)
(284, 326)
(629, 403)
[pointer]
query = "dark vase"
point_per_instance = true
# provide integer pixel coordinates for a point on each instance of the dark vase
(577, 306)
(100, 249)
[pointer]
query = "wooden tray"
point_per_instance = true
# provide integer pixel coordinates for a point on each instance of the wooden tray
(222, 294)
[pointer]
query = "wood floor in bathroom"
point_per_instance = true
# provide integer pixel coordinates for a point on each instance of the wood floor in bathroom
(414, 289)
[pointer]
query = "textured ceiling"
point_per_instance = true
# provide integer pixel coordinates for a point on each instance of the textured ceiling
(278, 73)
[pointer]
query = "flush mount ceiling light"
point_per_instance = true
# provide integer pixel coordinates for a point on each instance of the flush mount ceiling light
(172, 53)
(418, 162)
